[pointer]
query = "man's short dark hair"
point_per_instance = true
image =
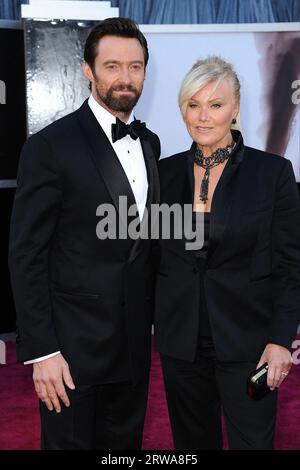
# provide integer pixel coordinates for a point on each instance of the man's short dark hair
(122, 27)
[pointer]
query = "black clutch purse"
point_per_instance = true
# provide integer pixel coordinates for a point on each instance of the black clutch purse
(257, 386)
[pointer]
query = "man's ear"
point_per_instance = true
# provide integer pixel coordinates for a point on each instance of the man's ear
(87, 71)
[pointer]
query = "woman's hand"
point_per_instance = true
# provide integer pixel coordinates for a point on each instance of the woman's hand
(279, 360)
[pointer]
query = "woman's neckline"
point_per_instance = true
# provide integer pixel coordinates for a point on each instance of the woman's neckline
(201, 212)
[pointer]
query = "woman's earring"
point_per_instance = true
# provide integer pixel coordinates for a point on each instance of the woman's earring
(233, 121)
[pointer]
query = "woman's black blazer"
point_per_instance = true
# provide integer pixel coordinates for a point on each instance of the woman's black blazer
(252, 271)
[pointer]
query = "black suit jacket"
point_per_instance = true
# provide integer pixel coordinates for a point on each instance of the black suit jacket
(252, 271)
(88, 298)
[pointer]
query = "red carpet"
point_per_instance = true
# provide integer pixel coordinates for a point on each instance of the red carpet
(19, 421)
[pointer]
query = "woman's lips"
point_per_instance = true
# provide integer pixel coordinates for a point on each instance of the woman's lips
(203, 129)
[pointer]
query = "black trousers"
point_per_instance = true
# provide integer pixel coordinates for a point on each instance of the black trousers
(101, 417)
(197, 391)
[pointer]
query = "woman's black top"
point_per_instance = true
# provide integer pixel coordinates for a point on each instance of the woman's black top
(200, 255)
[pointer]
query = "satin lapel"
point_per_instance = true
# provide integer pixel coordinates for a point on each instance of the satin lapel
(223, 197)
(106, 161)
(188, 192)
(188, 196)
(152, 196)
(152, 173)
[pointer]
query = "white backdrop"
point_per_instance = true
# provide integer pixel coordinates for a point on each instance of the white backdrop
(265, 56)
(173, 53)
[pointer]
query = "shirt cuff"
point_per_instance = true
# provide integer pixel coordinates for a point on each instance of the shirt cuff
(39, 359)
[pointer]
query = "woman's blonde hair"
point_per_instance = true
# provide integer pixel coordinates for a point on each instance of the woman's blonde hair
(211, 69)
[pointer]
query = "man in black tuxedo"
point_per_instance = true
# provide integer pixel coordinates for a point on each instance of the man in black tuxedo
(84, 304)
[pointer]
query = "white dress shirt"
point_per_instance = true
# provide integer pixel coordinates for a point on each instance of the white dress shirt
(130, 155)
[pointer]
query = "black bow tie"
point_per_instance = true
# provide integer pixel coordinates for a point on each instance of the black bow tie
(135, 129)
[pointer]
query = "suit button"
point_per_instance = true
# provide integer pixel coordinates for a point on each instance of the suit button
(195, 270)
(123, 303)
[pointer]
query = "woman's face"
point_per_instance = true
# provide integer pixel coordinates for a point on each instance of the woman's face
(209, 114)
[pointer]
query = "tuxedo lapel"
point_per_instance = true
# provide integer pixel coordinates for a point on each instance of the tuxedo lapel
(152, 196)
(152, 173)
(104, 157)
(110, 169)
(188, 196)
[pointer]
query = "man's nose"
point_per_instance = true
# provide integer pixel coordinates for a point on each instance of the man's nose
(125, 76)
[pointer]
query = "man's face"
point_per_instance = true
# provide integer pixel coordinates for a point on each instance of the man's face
(119, 73)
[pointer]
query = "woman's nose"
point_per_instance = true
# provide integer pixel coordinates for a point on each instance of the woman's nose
(203, 114)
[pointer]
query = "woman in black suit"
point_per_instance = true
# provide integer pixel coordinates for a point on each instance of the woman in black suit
(226, 309)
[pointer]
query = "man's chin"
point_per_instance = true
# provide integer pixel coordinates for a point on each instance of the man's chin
(123, 104)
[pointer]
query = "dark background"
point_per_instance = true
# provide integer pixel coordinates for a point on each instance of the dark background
(12, 114)
(12, 137)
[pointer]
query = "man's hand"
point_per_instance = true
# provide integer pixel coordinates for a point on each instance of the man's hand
(49, 377)
(279, 360)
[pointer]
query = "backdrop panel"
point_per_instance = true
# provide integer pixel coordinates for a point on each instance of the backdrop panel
(269, 69)
(267, 63)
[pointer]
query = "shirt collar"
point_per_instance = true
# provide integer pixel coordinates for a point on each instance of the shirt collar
(104, 117)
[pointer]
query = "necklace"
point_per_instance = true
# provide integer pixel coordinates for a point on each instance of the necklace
(217, 157)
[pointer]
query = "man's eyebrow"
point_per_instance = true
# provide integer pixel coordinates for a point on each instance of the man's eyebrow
(119, 62)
